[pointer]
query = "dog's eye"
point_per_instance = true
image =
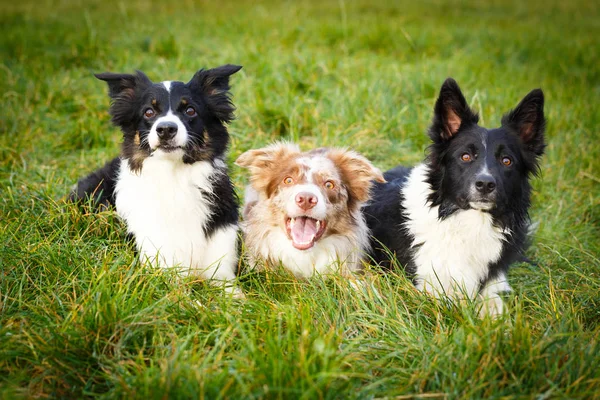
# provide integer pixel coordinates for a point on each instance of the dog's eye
(190, 112)
(466, 157)
(506, 161)
(288, 180)
(329, 185)
(149, 113)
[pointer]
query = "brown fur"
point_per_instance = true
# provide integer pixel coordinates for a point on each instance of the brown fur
(265, 165)
(357, 174)
(351, 174)
(137, 158)
(452, 124)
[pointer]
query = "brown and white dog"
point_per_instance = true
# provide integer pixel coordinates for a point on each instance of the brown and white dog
(303, 209)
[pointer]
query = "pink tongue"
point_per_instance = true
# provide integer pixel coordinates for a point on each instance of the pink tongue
(304, 230)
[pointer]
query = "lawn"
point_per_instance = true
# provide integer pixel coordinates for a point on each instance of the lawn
(80, 317)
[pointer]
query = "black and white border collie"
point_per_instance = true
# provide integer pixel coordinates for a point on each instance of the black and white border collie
(457, 221)
(170, 184)
(303, 209)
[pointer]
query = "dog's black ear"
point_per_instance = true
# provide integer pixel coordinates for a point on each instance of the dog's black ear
(214, 85)
(122, 89)
(451, 112)
(123, 86)
(528, 121)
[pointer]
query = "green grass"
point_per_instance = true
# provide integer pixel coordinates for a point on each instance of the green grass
(80, 317)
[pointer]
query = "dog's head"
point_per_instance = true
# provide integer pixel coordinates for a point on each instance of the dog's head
(177, 120)
(473, 167)
(310, 194)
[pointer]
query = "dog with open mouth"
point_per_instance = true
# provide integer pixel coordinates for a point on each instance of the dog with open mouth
(303, 209)
(170, 184)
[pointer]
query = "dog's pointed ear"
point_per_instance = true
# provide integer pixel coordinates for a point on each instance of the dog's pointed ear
(266, 157)
(124, 85)
(451, 112)
(528, 121)
(214, 85)
(358, 174)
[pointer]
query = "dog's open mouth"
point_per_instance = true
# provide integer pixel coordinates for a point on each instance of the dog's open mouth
(304, 231)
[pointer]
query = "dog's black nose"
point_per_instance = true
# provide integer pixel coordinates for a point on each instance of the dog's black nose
(166, 130)
(485, 184)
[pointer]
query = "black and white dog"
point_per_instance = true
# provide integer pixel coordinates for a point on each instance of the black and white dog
(457, 221)
(170, 184)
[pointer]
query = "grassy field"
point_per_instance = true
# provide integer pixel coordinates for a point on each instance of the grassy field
(79, 317)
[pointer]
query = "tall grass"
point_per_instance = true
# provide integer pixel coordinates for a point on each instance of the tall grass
(79, 316)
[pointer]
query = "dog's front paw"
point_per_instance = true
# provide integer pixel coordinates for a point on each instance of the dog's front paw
(491, 307)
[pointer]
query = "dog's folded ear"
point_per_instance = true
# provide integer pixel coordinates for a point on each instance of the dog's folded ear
(214, 85)
(528, 121)
(358, 174)
(122, 89)
(123, 86)
(262, 162)
(451, 112)
(267, 157)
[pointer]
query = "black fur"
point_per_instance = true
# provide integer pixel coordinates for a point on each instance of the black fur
(131, 94)
(457, 184)
(386, 221)
(99, 186)
(226, 212)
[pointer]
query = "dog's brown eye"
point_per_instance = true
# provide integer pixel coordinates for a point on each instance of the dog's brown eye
(149, 113)
(288, 180)
(329, 185)
(506, 161)
(466, 157)
(190, 112)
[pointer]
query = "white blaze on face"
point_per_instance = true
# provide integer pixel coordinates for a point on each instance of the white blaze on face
(181, 137)
(319, 211)
(305, 226)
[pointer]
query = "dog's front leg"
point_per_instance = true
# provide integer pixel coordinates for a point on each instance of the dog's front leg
(492, 303)
(221, 259)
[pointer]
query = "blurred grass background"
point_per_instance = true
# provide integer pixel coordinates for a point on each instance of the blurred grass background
(79, 317)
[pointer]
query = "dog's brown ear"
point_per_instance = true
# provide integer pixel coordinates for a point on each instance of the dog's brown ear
(266, 157)
(252, 157)
(264, 164)
(358, 174)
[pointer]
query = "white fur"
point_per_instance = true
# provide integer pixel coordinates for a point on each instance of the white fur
(492, 302)
(451, 255)
(338, 253)
(181, 137)
(316, 164)
(332, 254)
(319, 211)
(165, 211)
(167, 85)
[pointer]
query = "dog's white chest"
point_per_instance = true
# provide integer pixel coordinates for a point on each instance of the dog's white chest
(451, 255)
(336, 253)
(165, 209)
